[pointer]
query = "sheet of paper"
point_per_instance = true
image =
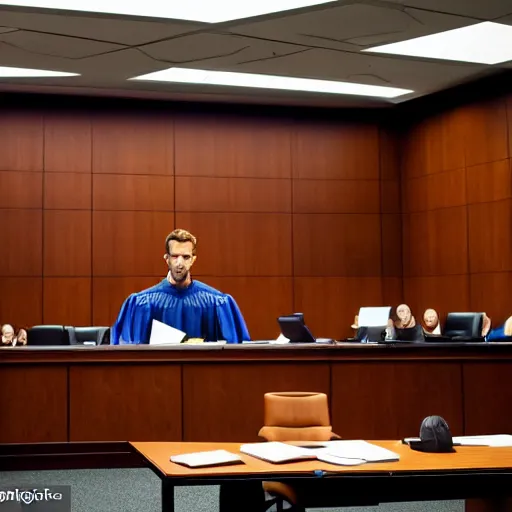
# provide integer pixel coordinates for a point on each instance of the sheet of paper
(339, 461)
(374, 317)
(209, 458)
(277, 452)
(280, 340)
(498, 440)
(358, 450)
(163, 334)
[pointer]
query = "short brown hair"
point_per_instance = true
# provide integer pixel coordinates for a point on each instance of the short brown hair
(181, 235)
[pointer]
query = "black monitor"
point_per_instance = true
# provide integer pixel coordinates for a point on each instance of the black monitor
(411, 334)
(468, 325)
(371, 334)
(295, 329)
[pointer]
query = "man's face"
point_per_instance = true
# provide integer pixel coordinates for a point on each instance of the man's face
(430, 318)
(404, 313)
(180, 260)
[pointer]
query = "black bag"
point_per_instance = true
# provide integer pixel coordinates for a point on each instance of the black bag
(435, 436)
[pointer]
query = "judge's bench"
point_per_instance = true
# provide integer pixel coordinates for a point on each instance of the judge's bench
(211, 392)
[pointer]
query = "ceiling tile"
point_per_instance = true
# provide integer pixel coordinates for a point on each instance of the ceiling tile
(57, 46)
(487, 10)
(213, 50)
(352, 27)
(100, 28)
(335, 65)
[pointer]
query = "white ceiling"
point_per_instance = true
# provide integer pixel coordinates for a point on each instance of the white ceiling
(320, 42)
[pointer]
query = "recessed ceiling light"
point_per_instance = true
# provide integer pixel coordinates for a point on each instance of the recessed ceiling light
(208, 11)
(8, 72)
(200, 76)
(483, 43)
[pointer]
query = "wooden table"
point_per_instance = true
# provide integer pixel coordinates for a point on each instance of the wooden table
(215, 393)
(467, 473)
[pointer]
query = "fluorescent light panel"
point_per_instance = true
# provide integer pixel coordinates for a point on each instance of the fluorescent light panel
(8, 72)
(199, 76)
(208, 11)
(483, 43)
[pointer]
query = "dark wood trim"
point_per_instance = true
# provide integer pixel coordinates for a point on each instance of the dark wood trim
(50, 456)
(268, 353)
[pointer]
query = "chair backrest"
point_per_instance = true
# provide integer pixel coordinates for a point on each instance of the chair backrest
(47, 335)
(100, 335)
(464, 324)
(415, 333)
(296, 416)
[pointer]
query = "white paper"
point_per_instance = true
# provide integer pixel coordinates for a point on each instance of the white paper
(358, 450)
(277, 452)
(209, 458)
(280, 340)
(163, 334)
(498, 440)
(344, 453)
(339, 461)
(374, 317)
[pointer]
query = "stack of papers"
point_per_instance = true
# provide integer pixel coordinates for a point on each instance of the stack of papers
(205, 459)
(498, 440)
(345, 453)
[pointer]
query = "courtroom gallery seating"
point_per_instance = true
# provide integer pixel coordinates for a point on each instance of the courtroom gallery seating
(294, 416)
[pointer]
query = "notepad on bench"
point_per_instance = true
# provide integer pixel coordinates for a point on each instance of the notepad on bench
(344, 453)
(496, 440)
(207, 459)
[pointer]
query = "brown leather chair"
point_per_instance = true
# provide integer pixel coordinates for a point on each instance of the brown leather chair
(294, 416)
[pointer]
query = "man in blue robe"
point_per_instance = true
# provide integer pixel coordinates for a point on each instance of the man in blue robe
(181, 302)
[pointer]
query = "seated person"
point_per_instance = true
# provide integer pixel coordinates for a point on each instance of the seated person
(8, 338)
(431, 323)
(355, 325)
(181, 302)
(22, 336)
(405, 318)
(486, 325)
(502, 333)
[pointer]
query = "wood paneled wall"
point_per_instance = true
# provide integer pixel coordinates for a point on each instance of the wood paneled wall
(457, 200)
(290, 214)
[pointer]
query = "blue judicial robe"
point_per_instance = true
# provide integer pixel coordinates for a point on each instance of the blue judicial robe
(198, 310)
(498, 334)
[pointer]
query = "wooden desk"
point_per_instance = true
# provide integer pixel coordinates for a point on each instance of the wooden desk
(469, 472)
(193, 393)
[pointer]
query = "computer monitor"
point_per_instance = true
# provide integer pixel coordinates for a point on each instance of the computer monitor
(371, 334)
(467, 325)
(294, 328)
(410, 334)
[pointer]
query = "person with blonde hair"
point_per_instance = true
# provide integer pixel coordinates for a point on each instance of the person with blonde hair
(181, 302)
(8, 338)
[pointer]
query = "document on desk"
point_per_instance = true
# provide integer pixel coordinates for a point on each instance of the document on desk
(163, 334)
(357, 450)
(497, 440)
(343, 453)
(277, 453)
(208, 458)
